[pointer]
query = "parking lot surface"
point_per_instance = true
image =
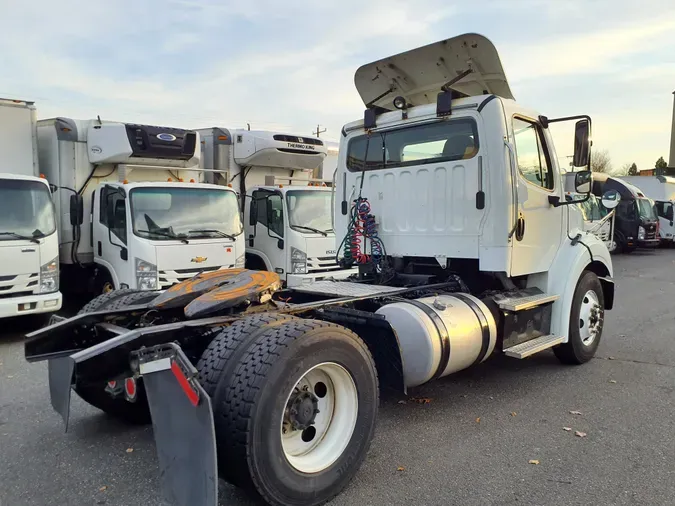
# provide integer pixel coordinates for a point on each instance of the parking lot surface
(468, 439)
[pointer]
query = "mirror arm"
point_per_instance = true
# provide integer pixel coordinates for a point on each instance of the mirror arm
(556, 201)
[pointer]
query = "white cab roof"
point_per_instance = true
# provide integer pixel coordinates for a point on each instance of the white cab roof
(418, 74)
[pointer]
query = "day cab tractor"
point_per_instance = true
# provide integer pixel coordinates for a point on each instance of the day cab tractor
(449, 201)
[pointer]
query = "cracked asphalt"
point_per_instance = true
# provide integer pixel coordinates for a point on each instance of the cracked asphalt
(470, 445)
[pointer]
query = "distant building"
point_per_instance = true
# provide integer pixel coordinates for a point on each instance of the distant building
(668, 171)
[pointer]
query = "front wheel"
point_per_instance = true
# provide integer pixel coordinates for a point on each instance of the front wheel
(297, 418)
(586, 321)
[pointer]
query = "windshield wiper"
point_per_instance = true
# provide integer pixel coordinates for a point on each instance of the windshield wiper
(181, 237)
(33, 238)
(212, 231)
(315, 230)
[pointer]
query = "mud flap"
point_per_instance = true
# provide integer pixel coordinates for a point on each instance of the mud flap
(182, 421)
(60, 381)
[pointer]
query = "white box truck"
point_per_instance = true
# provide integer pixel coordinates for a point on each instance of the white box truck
(287, 214)
(150, 221)
(661, 189)
(29, 244)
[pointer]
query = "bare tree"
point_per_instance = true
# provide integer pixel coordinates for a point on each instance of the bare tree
(601, 162)
(623, 171)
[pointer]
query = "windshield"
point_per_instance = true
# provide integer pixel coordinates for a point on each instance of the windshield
(646, 209)
(311, 209)
(26, 209)
(168, 213)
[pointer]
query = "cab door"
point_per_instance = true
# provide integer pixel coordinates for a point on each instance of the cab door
(537, 233)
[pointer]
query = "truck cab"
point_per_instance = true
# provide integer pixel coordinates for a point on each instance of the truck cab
(290, 231)
(661, 189)
(29, 243)
(133, 209)
(636, 222)
(287, 213)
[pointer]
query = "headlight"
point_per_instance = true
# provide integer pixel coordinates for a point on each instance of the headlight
(146, 275)
(298, 261)
(641, 233)
(240, 262)
(49, 276)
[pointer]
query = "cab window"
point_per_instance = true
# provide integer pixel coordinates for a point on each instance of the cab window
(533, 161)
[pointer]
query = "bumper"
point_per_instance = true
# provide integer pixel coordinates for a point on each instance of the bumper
(293, 280)
(648, 243)
(30, 304)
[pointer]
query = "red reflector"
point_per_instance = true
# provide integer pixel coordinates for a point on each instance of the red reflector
(130, 387)
(112, 384)
(185, 385)
(229, 250)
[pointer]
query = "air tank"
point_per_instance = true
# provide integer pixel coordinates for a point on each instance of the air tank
(441, 334)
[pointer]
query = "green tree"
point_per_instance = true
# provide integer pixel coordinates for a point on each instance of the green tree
(633, 170)
(661, 163)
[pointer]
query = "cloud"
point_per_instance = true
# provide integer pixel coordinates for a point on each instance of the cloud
(288, 66)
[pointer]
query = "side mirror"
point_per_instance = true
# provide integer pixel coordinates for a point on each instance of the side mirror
(583, 181)
(270, 214)
(611, 199)
(76, 210)
(53, 188)
(669, 213)
(254, 212)
(582, 146)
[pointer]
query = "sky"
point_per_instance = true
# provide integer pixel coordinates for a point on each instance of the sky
(289, 65)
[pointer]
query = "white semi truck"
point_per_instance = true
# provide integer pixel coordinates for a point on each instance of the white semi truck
(132, 210)
(287, 213)
(451, 202)
(661, 189)
(29, 244)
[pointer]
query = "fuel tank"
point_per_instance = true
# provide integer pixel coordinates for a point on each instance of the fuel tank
(440, 335)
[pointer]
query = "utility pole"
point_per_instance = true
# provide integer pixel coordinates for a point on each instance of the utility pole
(318, 131)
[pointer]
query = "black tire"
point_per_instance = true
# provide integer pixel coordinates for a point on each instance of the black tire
(574, 351)
(98, 302)
(138, 412)
(248, 415)
(223, 354)
(620, 241)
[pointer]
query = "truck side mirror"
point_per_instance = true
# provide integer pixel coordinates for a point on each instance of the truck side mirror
(76, 210)
(582, 181)
(669, 213)
(254, 212)
(610, 199)
(582, 146)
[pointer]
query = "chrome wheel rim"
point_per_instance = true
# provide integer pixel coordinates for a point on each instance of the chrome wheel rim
(590, 318)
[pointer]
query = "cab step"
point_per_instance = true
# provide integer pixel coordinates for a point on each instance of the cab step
(533, 346)
(525, 301)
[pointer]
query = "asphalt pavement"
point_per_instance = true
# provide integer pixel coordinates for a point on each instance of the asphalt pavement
(493, 435)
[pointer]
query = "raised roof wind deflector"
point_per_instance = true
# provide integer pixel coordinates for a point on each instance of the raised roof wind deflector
(418, 75)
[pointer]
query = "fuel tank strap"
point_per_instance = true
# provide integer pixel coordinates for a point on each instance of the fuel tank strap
(484, 325)
(442, 333)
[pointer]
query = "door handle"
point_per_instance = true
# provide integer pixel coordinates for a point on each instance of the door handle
(250, 240)
(520, 227)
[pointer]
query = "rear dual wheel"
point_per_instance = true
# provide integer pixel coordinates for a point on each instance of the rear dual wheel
(294, 406)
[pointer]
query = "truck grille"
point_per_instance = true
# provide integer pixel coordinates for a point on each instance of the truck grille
(170, 278)
(322, 264)
(650, 232)
(18, 285)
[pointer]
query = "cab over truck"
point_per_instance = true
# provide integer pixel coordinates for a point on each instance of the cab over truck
(287, 213)
(451, 206)
(661, 189)
(29, 244)
(150, 222)
(636, 223)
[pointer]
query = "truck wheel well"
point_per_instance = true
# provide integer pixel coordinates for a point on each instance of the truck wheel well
(254, 262)
(601, 270)
(380, 339)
